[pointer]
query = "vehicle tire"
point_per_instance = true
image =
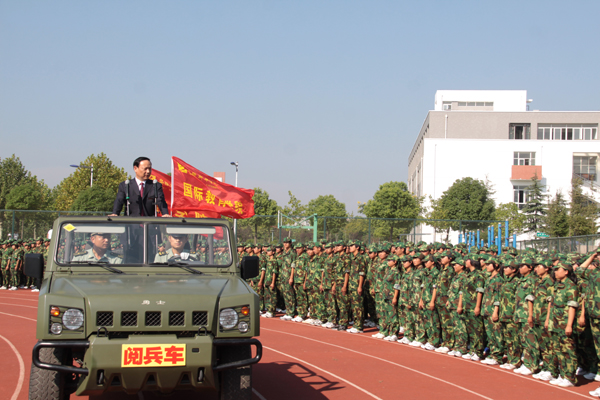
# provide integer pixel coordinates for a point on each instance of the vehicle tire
(45, 384)
(236, 384)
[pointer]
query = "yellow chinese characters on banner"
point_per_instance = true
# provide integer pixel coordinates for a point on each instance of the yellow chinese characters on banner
(152, 355)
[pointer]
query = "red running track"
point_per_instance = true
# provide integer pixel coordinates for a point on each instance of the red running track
(306, 362)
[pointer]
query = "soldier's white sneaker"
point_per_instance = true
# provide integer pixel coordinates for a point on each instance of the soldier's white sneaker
(297, 319)
(556, 381)
(565, 383)
(35, 290)
(393, 338)
(415, 344)
(401, 330)
(376, 335)
(475, 357)
(525, 371)
(267, 315)
(450, 353)
(545, 376)
(286, 318)
(3, 288)
(429, 347)
(317, 322)
(467, 356)
(387, 338)
(489, 361)
(307, 321)
(443, 350)
(13, 288)
(457, 354)
(404, 341)
(580, 371)
(595, 393)
(354, 330)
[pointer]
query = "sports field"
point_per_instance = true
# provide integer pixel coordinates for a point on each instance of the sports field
(305, 362)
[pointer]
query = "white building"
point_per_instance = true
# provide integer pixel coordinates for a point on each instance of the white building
(490, 134)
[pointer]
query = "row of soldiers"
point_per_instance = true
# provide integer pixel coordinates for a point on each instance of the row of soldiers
(534, 313)
(12, 254)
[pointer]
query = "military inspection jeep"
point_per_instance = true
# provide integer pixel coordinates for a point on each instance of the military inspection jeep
(144, 304)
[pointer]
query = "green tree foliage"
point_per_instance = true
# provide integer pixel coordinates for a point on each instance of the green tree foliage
(294, 207)
(106, 176)
(260, 227)
(355, 228)
(510, 212)
(328, 206)
(583, 211)
(468, 199)
(12, 174)
(434, 214)
(535, 210)
(94, 198)
(557, 222)
(392, 200)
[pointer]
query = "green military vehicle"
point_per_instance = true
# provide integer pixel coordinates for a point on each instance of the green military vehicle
(137, 304)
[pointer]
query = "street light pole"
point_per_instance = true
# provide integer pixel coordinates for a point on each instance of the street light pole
(236, 183)
(88, 167)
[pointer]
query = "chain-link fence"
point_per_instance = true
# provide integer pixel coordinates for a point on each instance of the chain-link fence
(265, 229)
(24, 224)
(572, 244)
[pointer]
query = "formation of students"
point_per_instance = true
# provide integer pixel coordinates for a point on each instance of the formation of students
(531, 312)
(12, 258)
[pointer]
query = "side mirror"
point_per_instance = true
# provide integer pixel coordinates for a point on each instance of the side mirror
(249, 267)
(34, 266)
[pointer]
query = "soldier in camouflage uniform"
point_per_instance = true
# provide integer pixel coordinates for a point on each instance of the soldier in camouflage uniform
(357, 268)
(560, 320)
(268, 281)
(540, 307)
(440, 298)
(389, 296)
(370, 309)
(287, 258)
(379, 268)
(506, 311)
(329, 276)
(456, 308)
(427, 305)
(406, 300)
(318, 274)
(489, 301)
(472, 298)
(524, 298)
(340, 285)
(15, 265)
(2, 273)
(311, 285)
(298, 279)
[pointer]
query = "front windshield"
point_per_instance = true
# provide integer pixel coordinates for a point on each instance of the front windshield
(189, 244)
(93, 243)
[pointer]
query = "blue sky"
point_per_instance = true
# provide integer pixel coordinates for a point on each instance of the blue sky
(316, 97)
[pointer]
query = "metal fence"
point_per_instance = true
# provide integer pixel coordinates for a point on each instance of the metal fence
(265, 229)
(571, 244)
(24, 224)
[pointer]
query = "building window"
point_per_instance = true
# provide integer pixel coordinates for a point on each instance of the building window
(519, 131)
(524, 158)
(585, 167)
(567, 132)
(521, 195)
(447, 105)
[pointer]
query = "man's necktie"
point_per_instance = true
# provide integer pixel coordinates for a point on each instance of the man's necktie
(142, 196)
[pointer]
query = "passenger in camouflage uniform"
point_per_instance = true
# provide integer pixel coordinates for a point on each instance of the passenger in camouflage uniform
(524, 298)
(506, 311)
(490, 301)
(440, 298)
(560, 320)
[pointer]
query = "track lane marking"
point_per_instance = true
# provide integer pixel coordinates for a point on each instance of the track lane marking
(21, 369)
(19, 305)
(19, 316)
(327, 372)
(427, 352)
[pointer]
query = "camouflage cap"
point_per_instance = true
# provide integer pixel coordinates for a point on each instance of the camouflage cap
(447, 253)
(526, 261)
(298, 245)
(385, 247)
(543, 261)
(491, 260)
(287, 240)
(418, 255)
(458, 261)
(393, 258)
(564, 265)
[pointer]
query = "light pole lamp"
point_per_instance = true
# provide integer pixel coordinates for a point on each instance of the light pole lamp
(91, 168)
(236, 176)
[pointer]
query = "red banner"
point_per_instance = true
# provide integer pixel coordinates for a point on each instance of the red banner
(165, 181)
(198, 195)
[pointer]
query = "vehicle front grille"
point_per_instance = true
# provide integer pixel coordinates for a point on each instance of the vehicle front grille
(176, 318)
(152, 318)
(200, 318)
(129, 318)
(104, 318)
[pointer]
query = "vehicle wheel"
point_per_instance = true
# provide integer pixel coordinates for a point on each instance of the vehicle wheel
(236, 384)
(45, 384)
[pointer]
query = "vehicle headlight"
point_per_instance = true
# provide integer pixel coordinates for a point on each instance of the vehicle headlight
(228, 318)
(72, 319)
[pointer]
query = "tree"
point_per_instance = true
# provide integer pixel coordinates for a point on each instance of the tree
(510, 212)
(468, 200)
(557, 222)
(12, 173)
(356, 228)
(328, 206)
(392, 200)
(94, 198)
(436, 213)
(583, 211)
(263, 205)
(106, 176)
(535, 210)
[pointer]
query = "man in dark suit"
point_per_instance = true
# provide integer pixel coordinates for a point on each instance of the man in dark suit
(142, 192)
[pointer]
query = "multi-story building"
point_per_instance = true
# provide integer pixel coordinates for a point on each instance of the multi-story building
(492, 135)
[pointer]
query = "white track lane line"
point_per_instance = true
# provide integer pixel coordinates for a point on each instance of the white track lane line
(327, 372)
(260, 396)
(19, 316)
(438, 354)
(21, 369)
(19, 305)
